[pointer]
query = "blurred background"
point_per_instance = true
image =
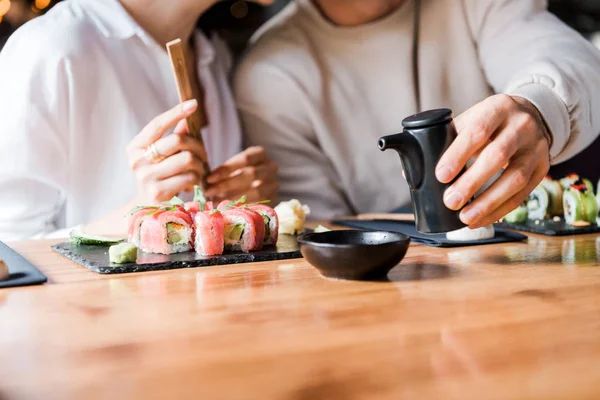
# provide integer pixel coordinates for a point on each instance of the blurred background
(237, 20)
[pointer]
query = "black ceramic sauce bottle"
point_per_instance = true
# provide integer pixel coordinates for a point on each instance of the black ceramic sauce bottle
(426, 137)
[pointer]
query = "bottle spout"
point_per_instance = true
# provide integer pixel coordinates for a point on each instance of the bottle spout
(410, 153)
(392, 142)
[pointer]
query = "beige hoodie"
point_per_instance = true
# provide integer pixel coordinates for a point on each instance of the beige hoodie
(318, 96)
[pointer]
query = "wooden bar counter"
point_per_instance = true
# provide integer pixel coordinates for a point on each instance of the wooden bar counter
(514, 321)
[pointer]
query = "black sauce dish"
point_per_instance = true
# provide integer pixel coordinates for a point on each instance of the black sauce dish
(353, 254)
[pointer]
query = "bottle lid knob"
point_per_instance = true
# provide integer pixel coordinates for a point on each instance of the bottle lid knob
(428, 118)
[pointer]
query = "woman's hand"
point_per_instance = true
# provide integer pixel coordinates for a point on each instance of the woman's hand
(502, 132)
(180, 156)
(249, 173)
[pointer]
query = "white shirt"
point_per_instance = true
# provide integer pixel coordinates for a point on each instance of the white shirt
(76, 85)
(318, 96)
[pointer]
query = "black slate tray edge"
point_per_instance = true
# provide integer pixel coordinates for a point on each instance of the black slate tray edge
(22, 272)
(502, 235)
(545, 228)
(67, 251)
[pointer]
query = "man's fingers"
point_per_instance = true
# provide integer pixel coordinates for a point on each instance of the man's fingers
(161, 124)
(475, 127)
(251, 156)
(492, 160)
(515, 201)
(522, 174)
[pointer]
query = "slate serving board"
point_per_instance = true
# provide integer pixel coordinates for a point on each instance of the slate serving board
(439, 240)
(552, 228)
(22, 272)
(95, 258)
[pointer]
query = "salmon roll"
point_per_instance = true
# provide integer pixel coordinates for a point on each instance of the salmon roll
(244, 230)
(226, 204)
(136, 218)
(167, 231)
(271, 222)
(198, 204)
(210, 233)
(193, 207)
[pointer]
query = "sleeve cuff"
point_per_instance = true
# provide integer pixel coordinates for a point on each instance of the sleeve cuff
(552, 109)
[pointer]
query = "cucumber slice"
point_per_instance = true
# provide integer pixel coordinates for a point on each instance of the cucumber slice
(122, 253)
(233, 233)
(80, 238)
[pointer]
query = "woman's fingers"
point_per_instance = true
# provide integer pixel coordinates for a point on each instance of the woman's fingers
(243, 180)
(475, 127)
(164, 190)
(177, 164)
(161, 124)
(491, 160)
(250, 157)
(177, 143)
(258, 192)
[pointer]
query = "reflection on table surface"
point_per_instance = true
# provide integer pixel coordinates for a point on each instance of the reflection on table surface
(507, 321)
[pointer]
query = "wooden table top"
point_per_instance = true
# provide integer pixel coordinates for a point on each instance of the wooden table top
(514, 321)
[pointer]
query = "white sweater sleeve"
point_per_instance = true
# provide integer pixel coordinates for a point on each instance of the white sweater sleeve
(526, 51)
(274, 115)
(33, 147)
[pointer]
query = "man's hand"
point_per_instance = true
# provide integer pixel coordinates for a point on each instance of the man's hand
(501, 132)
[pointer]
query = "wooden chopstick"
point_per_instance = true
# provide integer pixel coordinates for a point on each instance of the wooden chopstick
(199, 119)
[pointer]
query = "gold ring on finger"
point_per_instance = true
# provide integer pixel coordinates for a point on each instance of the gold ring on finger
(152, 154)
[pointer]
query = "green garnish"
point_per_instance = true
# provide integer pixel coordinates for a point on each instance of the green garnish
(175, 201)
(234, 203)
(199, 197)
(138, 208)
(255, 204)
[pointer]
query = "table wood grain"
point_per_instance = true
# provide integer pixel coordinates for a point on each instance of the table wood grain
(513, 321)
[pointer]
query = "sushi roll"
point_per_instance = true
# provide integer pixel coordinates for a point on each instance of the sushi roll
(555, 194)
(136, 218)
(198, 204)
(166, 231)
(518, 215)
(226, 204)
(580, 205)
(570, 179)
(468, 235)
(271, 222)
(244, 229)
(538, 203)
(210, 233)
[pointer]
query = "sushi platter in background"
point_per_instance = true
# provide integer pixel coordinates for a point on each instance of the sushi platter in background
(197, 233)
(568, 206)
